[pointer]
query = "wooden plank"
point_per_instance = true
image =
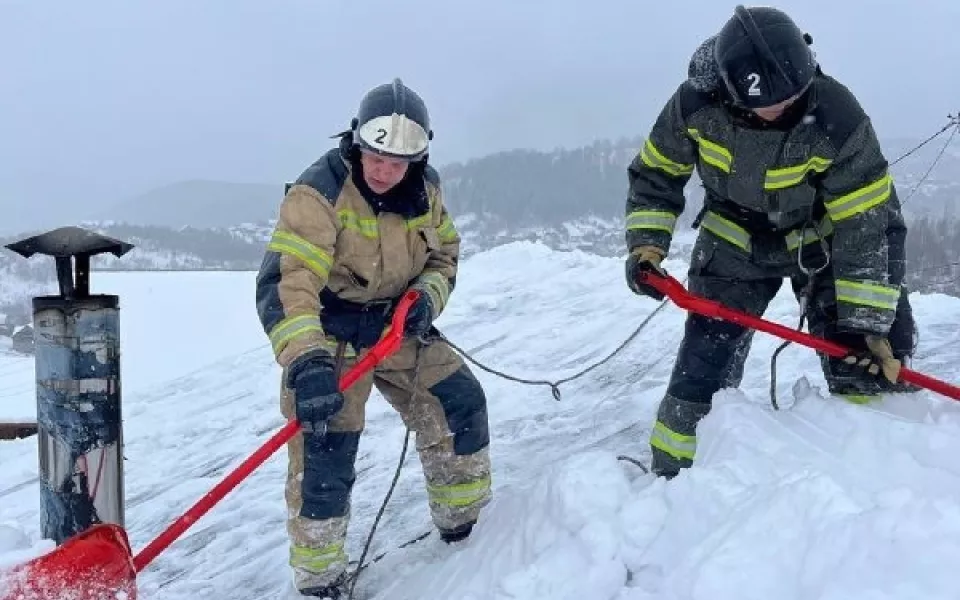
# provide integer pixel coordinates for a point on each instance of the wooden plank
(17, 430)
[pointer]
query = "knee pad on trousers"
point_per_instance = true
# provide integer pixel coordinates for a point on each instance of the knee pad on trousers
(465, 407)
(328, 473)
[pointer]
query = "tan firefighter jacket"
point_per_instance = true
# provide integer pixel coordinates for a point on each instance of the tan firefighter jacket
(332, 249)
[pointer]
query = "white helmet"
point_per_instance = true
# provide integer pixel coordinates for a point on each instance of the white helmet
(393, 121)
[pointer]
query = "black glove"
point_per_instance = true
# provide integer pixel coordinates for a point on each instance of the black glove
(420, 316)
(644, 258)
(878, 362)
(316, 391)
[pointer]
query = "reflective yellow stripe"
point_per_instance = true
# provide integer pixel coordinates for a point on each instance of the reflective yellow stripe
(316, 259)
(460, 494)
(809, 234)
(330, 345)
(293, 327)
(418, 221)
(712, 153)
(652, 219)
(317, 560)
(675, 444)
(654, 159)
(447, 230)
(868, 293)
(861, 200)
(436, 286)
(738, 236)
(727, 230)
(777, 179)
(859, 398)
(365, 226)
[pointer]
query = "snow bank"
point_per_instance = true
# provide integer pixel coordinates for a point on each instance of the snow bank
(16, 548)
(826, 500)
(531, 538)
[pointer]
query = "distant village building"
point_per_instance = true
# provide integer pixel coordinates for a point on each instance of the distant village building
(23, 339)
(17, 430)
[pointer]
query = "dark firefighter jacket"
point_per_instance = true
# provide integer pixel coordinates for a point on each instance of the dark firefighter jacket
(825, 173)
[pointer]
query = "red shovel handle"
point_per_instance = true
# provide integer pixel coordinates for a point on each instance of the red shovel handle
(686, 300)
(387, 345)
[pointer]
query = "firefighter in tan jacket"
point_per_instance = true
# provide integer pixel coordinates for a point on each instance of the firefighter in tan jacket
(362, 225)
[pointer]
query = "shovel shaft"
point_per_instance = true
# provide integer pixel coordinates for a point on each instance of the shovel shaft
(387, 345)
(686, 300)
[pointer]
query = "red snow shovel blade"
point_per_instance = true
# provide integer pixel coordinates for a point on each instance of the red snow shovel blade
(96, 564)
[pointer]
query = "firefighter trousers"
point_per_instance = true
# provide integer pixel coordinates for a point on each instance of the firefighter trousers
(440, 400)
(712, 353)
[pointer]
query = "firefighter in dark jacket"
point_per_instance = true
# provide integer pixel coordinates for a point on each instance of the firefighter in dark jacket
(361, 226)
(795, 186)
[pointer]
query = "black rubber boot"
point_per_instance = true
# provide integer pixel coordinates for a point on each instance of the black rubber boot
(334, 591)
(457, 533)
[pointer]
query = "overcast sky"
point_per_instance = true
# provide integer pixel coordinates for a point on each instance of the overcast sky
(104, 99)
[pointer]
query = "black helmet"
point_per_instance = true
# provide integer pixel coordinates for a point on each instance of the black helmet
(392, 120)
(763, 57)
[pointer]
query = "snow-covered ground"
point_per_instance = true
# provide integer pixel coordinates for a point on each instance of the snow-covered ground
(822, 500)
